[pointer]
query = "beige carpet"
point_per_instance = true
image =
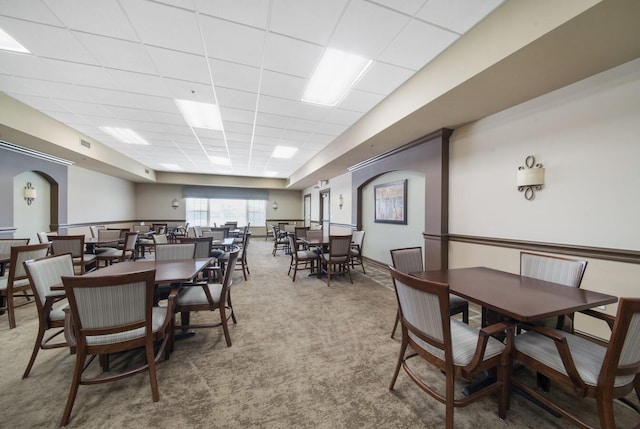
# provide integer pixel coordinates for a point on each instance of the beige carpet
(303, 356)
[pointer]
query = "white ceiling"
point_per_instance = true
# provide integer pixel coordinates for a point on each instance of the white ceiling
(121, 63)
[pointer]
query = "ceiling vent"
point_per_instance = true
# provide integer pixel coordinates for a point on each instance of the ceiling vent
(85, 144)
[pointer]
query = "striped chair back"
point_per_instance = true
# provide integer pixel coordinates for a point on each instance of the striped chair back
(568, 272)
(407, 260)
(46, 272)
(175, 252)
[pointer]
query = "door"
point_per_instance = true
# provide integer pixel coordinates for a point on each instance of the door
(307, 210)
(325, 197)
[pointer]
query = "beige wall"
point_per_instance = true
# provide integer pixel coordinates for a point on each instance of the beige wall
(585, 135)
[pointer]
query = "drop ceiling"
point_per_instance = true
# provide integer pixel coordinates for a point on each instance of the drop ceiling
(121, 63)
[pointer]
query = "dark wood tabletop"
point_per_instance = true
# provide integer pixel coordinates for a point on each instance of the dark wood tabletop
(181, 271)
(521, 298)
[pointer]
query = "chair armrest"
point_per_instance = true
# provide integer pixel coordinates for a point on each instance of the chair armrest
(602, 316)
(562, 346)
(483, 338)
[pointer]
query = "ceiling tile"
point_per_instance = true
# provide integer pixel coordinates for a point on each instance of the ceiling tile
(180, 65)
(360, 101)
(170, 28)
(366, 29)
(118, 54)
(104, 17)
(47, 41)
(233, 75)
(383, 78)
(249, 12)
(410, 7)
(421, 37)
(282, 85)
(308, 20)
(457, 15)
(33, 10)
(236, 99)
(232, 42)
(291, 56)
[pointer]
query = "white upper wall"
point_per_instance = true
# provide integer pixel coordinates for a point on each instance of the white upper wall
(586, 137)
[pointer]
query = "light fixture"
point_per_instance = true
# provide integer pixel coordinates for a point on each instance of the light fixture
(340, 201)
(275, 205)
(285, 152)
(200, 115)
(124, 135)
(171, 167)
(8, 43)
(530, 178)
(30, 193)
(334, 76)
(175, 203)
(220, 160)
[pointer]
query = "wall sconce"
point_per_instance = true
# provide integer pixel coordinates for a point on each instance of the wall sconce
(175, 204)
(275, 205)
(530, 178)
(340, 201)
(30, 193)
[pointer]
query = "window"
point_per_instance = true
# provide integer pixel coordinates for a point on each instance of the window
(210, 211)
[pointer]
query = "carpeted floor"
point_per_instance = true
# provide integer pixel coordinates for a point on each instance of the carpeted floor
(303, 356)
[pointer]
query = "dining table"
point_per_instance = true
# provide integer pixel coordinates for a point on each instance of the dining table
(91, 243)
(519, 298)
(319, 242)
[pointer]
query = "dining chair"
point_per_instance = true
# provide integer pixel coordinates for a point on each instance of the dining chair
(109, 239)
(584, 367)
(160, 239)
(300, 259)
(337, 260)
(564, 271)
(127, 253)
(16, 284)
(356, 250)
(94, 230)
(203, 249)
(241, 262)
(453, 347)
(280, 242)
(44, 273)
(43, 237)
(300, 233)
(409, 260)
(112, 314)
(172, 252)
(73, 244)
(269, 231)
(197, 230)
(203, 296)
(159, 228)
(7, 243)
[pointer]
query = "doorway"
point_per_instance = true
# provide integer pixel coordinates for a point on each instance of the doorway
(325, 214)
(307, 210)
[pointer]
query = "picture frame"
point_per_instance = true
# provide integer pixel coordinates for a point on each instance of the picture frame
(390, 200)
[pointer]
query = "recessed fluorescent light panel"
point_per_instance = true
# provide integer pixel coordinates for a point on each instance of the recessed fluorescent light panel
(284, 152)
(124, 135)
(8, 43)
(171, 167)
(334, 77)
(200, 115)
(220, 160)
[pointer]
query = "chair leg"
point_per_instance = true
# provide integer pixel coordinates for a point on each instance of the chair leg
(395, 325)
(151, 362)
(225, 328)
(604, 403)
(403, 349)
(73, 391)
(11, 311)
(465, 315)
(36, 348)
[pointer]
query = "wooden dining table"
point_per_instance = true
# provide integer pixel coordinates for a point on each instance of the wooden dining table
(521, 298)
(181, 271)
(517, 297)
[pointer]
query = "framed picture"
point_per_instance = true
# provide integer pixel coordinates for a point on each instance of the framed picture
(391, 202)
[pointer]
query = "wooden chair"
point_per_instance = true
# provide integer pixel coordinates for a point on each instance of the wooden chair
(409, 260)
(269, 231)
(338, 259)
(112, 314)
(44, 273)
(241, 262)
(453, 347)
(300, 259)
(585, 368)
(159, 228)
(43, 237)
(5, 248)
(568, 272)
(203, 249)
(207, 297)
(17, 281)
(73, 244)
(356, 249)
(280, 242)
(110, 239)
(128, 252)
